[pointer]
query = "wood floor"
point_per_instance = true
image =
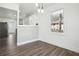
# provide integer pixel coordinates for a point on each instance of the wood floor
(38, 48)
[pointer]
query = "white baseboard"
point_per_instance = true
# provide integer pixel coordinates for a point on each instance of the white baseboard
(18, 44)
(74, 50)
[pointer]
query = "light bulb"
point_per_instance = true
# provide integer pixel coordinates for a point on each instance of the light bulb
(42, 10)
(39, 10)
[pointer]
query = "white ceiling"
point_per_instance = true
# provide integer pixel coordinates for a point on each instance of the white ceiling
(7, 13)
(26, 9)
(30, 8)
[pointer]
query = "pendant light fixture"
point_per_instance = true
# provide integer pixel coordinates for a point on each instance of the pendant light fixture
(40, 7)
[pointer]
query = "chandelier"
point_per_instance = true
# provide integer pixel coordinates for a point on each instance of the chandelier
(40, 7)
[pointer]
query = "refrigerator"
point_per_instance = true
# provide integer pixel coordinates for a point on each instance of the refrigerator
(3, 29)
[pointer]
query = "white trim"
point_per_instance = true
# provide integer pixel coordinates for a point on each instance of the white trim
(26, 25)
(60, 45)
(18, 44)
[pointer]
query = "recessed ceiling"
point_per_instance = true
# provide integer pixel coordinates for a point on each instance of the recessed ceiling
(7, 13)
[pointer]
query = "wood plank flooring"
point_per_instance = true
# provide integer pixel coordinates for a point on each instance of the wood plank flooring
(37, 48)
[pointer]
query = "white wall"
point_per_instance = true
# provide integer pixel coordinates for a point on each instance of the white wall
(70, 38)
(12, 26)
(26, 33)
